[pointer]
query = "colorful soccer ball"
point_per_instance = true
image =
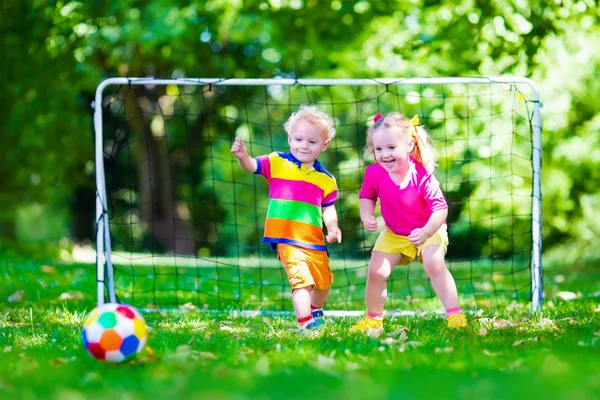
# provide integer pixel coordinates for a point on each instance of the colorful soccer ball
(114, 332)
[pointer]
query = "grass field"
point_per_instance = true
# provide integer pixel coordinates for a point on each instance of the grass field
(505, 353)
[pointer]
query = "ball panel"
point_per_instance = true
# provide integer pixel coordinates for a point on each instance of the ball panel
(125, 311)
(114, 356)
(139, 328)
(93, 332)
(108, 319)
(125, 327)
(96, 351)
(141, 344)
(130, 345)
(84, 338)
(111, 340)
(93, 317)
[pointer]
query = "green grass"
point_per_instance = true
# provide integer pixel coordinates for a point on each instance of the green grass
(168, 281)
(505, 353)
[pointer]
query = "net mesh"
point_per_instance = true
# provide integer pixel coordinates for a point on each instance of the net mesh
(186, 222)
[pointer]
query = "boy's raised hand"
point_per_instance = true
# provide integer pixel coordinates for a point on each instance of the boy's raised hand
(370, 223)
(239, 148)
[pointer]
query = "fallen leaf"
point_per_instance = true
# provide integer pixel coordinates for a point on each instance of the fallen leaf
(184, 348)
(16, 297)
(489, 353)
(48, 269)
(188, 306)
(444, 350)
(502, 323)
(388, 340)
(566, 295)
(374, 333)
(352, 366)
(60, 361)
(545, 323)
(262, 366)
(207, 354)
(70, 296)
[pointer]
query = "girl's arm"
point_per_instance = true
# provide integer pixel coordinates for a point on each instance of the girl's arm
(419, 236)
(367, 207)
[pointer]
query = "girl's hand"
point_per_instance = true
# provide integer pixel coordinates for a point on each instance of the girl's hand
(239, 148)
(370, 223)
(334, 234)
(418, 236)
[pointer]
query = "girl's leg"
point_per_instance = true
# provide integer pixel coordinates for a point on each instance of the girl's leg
(441, 279)
(380, 268)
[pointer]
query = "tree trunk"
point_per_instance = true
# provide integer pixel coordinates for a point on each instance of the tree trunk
(158, 205)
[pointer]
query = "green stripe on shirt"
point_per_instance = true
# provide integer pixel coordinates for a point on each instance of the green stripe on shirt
(295, 211)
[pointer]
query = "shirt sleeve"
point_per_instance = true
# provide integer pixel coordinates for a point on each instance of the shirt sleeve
(369, 187)
(263, 166)
(432, 193)
(331, 195)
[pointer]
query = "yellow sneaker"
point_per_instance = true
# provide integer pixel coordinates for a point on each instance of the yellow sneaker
(456, 321)
(365, 324)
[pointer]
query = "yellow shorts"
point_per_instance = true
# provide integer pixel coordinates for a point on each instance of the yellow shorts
(305, 267)
(389, 242)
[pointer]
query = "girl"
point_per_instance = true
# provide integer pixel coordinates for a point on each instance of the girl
(414, 210)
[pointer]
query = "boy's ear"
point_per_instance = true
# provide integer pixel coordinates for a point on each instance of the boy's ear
(326, 144)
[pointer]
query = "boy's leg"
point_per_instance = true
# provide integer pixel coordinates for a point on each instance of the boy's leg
(318, 263)
(317, 301)
(301, 302)
(318, 297)
(295, 264)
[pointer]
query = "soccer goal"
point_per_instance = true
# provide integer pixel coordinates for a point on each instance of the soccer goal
(179, 224)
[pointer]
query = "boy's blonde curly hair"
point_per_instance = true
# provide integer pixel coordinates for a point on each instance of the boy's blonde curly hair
(315, 116)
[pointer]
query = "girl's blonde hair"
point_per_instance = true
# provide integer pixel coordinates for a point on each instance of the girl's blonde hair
(423, 151)
(315, 116)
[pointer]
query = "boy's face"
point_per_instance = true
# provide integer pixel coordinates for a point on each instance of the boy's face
(307, 141)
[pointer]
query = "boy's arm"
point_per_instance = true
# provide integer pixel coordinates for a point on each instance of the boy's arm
(419, 236)
(367, 207)
(331, 222)
(248, 163)
(240, 150)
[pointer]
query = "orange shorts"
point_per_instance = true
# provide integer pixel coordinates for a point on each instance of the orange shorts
(305, 267)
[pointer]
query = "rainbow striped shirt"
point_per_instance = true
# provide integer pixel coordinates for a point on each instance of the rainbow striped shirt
(296, 196)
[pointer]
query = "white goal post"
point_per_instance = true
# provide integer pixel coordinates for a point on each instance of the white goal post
(105, 270)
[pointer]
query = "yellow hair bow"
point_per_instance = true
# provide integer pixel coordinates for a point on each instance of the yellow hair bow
(414, 122)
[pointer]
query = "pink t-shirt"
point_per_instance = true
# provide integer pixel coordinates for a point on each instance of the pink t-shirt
(404, 209)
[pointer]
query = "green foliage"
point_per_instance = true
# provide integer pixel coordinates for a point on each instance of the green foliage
(54, 54)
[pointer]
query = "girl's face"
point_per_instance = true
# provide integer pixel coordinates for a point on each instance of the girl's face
(307, 141)
(392, 148)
